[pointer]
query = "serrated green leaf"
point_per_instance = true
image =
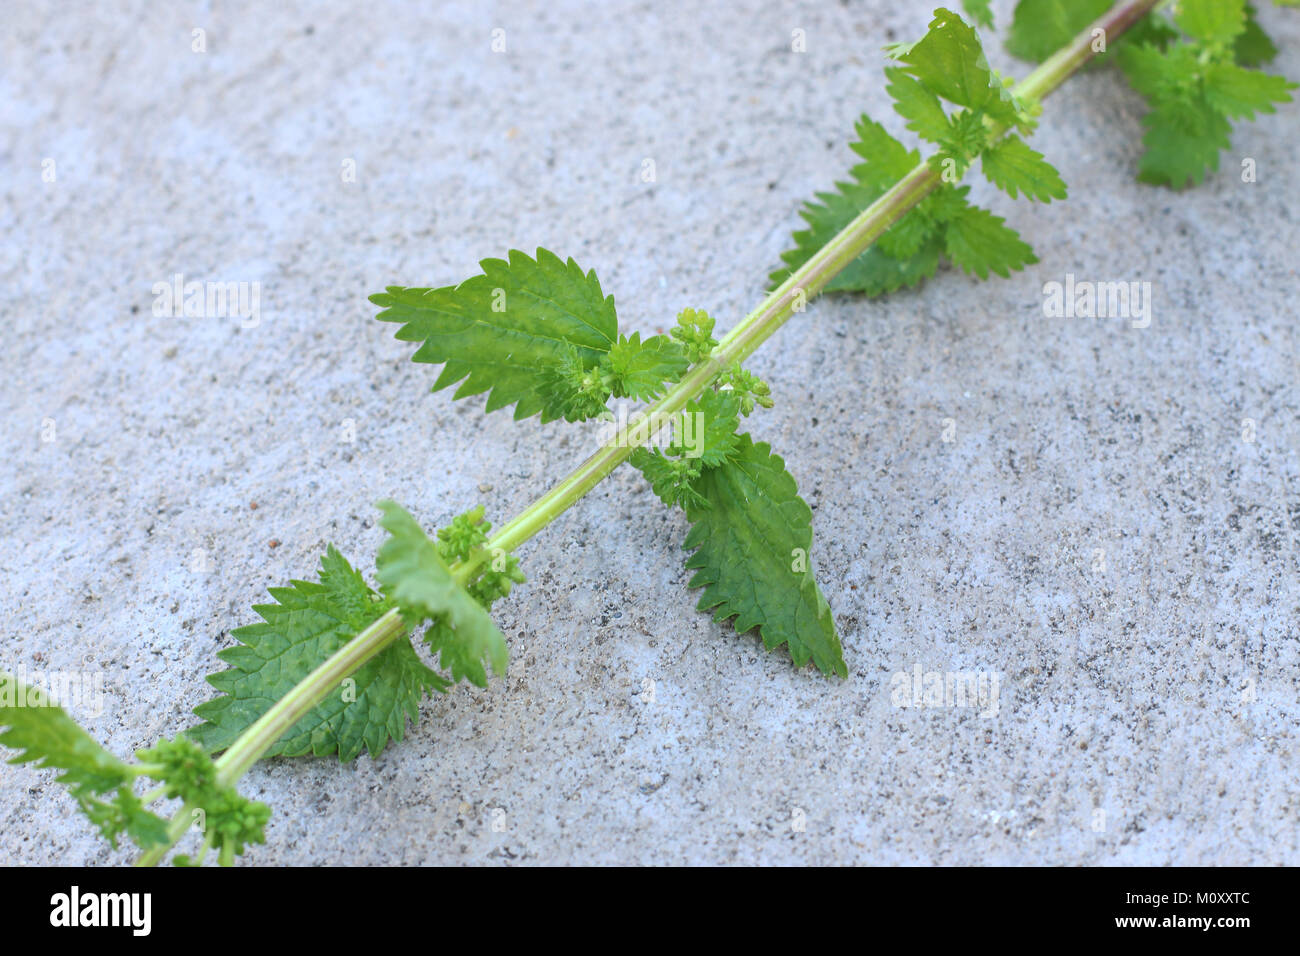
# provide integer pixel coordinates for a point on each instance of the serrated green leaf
(1182, 144)
(638, 369)
(1041, 27)
(910, 250)
(308, 623)
(751, 549)
(924, 113)
(47, 737)
(951, 63)
(1239, 93)
(944, 204)
(508, 330)
(714, 418)
(1211, 21)
(1193, 91)
(1160, 75)
(415, 578)
(1012, 165)
(886, 160)
(981, 242)
(907, 237)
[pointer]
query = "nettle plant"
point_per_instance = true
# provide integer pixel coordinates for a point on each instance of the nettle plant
(331, 668)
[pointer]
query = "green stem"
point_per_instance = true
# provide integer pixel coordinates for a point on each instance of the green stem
(741, 342)
(790, 297)
(260, 735)
(1058, 67)
(287, 711)
(802, 285)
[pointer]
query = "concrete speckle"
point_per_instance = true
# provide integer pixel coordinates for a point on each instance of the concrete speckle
(1104, 517)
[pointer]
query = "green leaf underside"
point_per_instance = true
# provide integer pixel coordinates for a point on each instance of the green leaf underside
(309, 622)
(754, 532)
(981, 242)
(46, 736)
(414, 576)
(508, 329)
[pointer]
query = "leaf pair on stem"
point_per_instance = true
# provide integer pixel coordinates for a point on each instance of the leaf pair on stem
(331, 668)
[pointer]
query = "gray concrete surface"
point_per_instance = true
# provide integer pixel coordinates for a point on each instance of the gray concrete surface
(1101, 530)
